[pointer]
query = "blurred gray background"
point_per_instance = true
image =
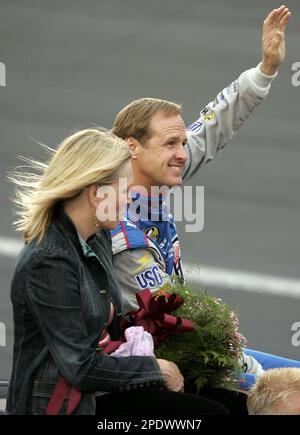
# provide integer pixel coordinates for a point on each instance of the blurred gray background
(74, 63)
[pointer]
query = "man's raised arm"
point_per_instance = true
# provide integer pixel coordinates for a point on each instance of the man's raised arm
(223, 117)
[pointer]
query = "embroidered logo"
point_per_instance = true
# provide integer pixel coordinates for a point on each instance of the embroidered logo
(143, 261)
(152, 233)
(208, 114)
(150, 278)
(196, 126)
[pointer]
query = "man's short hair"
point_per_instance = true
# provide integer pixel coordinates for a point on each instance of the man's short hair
(273, 392)
(134, 119)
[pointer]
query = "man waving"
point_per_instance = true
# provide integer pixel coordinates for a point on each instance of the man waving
(146, 247)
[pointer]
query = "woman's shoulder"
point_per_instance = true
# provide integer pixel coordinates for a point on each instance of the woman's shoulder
(53, 245)
(43, 265)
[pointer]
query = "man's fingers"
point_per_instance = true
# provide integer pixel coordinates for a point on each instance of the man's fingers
(284, 19)
(282, 14)
(270, 17)
(273, 15)
(278, 18)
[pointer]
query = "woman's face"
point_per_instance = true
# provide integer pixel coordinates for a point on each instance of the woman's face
(114, 198)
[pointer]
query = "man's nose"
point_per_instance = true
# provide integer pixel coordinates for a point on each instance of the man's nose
(181, 153)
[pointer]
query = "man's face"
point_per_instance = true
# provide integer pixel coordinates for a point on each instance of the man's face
(160, 160)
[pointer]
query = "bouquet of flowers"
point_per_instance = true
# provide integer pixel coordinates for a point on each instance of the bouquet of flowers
(196, 331)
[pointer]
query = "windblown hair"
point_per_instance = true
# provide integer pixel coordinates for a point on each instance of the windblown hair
(87, 157)
(271, 395)
(134, 119)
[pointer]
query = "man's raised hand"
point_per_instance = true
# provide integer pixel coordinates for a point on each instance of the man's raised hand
(273, 39)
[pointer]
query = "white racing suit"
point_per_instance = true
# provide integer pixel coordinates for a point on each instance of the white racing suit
(147, 253)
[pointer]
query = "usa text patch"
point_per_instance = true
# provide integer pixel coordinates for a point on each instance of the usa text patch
(150, 278)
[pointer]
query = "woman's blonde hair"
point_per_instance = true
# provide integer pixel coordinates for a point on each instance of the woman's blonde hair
(87, 157)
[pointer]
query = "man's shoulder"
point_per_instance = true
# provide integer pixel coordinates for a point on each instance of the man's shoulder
(127, 235)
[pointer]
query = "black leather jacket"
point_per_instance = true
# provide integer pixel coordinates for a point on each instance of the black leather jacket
(61, 293)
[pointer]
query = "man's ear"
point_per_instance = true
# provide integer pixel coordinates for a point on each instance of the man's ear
(92, 194)
(134, 146)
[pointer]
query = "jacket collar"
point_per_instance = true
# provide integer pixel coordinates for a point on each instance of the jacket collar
(70, 230)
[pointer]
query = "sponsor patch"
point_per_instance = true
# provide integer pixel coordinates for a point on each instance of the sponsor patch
(196, 126)
(143, 261)
(152, 232)
(221, 96)
(207, 114)
(233, 87)
(150, 278)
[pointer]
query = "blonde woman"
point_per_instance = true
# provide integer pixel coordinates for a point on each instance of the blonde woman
(65, 296)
